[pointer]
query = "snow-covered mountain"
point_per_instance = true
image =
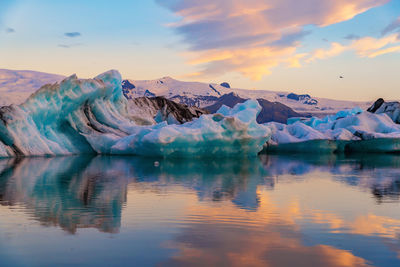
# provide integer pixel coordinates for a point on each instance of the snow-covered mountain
(189, 93)
(204, 94)
(17, 85)
(270, 111)
(81, 116)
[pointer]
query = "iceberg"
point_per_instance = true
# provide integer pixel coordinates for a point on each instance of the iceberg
(392, 109)
(87, 116)
(351, 131)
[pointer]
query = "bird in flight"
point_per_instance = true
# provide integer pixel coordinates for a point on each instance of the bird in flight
(341, 77)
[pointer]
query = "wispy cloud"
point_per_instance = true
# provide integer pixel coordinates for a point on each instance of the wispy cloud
(10, 30)
(69, 45)
(334, 50)
(72, 34)
(394, 26)
(253, 36)
(352, 37)
(364, 47)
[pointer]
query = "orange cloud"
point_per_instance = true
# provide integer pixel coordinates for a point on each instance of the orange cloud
(372, 47)
(253, 62)
(364, 47)
(334, 50)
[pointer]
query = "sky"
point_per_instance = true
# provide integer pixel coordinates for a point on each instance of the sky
(281, 45)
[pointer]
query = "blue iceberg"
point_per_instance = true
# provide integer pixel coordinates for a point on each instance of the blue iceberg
(85, 116)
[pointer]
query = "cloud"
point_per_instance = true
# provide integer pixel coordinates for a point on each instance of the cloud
(395, 25)
(253, 36)
(69, 45)
(372, 47)
(10, 30)
(72, 34)
(290, 39)
(369, 47)
(253, 63)
(352, 37)
(334, 50)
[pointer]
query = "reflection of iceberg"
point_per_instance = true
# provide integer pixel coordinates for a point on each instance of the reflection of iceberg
(68, 192)
(90, 192)
(215, 180)
(89, 116)
(379, 174)
(86, 192)
(347, 131)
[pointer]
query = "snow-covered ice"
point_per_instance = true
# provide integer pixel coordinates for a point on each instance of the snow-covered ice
(352, 130)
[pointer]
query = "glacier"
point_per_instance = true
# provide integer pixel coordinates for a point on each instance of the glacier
(86, 116)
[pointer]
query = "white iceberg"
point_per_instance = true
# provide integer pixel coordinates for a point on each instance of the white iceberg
(91, 116)
(349, 130)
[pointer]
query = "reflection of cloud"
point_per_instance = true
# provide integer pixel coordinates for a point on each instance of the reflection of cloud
(368, 225)
(272, 236)
(225, 236)
(372, 225)
(253, 36)
(72, 34)
(333, 220)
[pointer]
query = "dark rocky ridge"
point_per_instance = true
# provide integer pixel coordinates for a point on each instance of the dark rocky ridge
(226, 85)
(392, 109)
(165, 109)
(378, 103)
(306, 98)
(271, 111)
(194, 101)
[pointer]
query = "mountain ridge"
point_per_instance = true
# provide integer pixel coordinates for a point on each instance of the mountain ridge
(16, 86)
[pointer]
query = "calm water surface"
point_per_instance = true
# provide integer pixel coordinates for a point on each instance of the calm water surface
(267, 211)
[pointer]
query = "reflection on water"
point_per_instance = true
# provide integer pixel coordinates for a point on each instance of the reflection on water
(272, 210)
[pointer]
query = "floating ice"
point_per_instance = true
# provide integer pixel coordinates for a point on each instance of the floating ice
(91, 116)
(316, 122)
(351, 130)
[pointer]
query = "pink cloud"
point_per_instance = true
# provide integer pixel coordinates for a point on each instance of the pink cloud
(253, 36)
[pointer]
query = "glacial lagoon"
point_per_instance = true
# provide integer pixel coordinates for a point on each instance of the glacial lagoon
(287, 210)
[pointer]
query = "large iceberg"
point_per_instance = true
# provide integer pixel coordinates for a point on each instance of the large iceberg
(81, 116)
